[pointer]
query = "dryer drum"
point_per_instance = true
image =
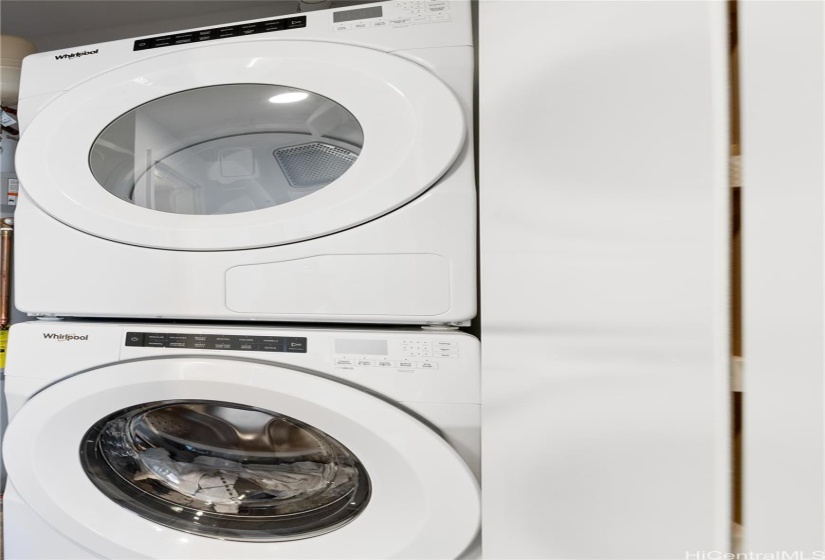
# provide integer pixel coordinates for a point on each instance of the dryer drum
(225, 470)
(165, 156)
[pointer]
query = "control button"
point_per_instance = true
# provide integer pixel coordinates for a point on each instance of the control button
(386, 363)
(183, 38)
(406, 364)
(142, 44)
(157, 340)
(428, 365)
(446, 344)
(296, 344)
(134, 339)
(197, 341)
(343, 362)
(425, 353)
(365, 363)
(225, 32)
(271, 343)
(177, 341)
(274, 25)
(292, 23)
(445, 355)
(248, 29)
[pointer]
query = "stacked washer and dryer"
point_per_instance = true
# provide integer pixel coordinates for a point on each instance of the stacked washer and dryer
(311, 172)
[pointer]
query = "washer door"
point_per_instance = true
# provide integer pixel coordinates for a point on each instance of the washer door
(242, 145)
(208, 458)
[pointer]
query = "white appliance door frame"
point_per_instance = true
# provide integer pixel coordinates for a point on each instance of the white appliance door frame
(782, 49)
(424, 502)
(413, 126)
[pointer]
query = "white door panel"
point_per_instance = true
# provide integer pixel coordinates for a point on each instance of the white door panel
(782, 46)
(604, 236)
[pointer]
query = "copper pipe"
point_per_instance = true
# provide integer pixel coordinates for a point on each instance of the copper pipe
(6, 235)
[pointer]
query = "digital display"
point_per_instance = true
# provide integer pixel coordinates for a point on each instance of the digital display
(361, 347)
(356, 14)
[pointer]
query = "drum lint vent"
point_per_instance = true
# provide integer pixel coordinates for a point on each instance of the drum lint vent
(315, 164)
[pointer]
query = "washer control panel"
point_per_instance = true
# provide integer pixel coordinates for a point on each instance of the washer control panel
(403, 364)
(247, 343)
(356, 354)
(407, 354)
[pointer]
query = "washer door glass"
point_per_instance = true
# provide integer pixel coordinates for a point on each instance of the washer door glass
(226, 149)
(225, 470)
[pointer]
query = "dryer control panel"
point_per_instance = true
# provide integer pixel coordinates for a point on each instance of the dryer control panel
(223, 32)
(401, 13)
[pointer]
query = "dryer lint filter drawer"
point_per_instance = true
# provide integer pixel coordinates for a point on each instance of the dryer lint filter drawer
(410, 284)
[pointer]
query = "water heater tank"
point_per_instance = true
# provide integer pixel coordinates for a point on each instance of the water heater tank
(9, 185)
(12, 51)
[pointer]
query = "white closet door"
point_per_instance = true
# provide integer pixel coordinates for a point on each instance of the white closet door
(782, 153)
(604, 250)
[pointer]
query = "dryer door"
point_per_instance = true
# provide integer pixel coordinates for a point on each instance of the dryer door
(224, 458)
(242, 145)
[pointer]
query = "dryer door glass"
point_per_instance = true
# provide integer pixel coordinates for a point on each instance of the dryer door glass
(225, 470)
(226, 149)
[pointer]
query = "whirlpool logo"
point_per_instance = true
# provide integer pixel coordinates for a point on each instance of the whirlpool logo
(74, 55)
(65, 337)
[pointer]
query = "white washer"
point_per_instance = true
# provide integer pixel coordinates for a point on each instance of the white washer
(316, 167)
(196, 442)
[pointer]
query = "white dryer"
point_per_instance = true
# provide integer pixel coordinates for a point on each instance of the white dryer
(195, 442)
(316, 167)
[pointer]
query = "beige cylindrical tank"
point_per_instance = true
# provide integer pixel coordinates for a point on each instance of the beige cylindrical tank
(12, 51)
